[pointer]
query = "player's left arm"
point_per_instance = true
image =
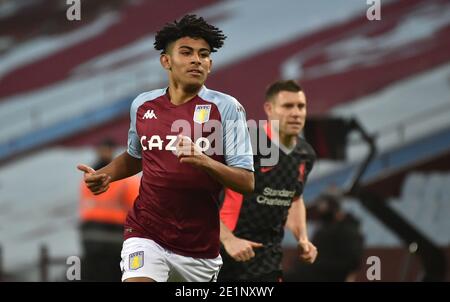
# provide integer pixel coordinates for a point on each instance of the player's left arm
(296, 223)
(237, 179)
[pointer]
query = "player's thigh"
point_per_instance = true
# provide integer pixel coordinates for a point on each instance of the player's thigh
(143, 258)
(190, 269)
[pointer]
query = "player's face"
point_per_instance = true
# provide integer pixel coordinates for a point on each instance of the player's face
(188, 61)
(289, 108)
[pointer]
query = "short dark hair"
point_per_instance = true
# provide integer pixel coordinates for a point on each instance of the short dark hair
(189, 26)
(278, 86)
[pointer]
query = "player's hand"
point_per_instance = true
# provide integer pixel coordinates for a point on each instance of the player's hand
(190, 153)
(241, 249)
(307, 251)
(97, 183)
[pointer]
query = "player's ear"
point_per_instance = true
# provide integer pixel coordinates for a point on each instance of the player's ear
(210, 65)
(164, 59)
(268, 107)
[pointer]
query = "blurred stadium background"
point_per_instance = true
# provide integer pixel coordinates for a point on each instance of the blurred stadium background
(65, 85)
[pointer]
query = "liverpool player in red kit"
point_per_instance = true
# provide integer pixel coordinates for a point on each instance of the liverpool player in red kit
(253, 223)
(172, 232)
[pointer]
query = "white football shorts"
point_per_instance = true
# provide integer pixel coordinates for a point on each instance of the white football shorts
(143, 257)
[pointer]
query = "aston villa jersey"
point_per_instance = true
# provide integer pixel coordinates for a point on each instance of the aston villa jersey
(177, 206)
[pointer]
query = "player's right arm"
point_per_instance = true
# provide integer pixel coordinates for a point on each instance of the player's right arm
(127, 164)
(239, 249)
(121, 167)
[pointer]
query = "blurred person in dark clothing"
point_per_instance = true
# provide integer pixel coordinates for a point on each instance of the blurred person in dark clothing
(340, 243)
(102, 218)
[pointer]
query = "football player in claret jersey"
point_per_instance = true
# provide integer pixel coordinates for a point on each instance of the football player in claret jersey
(253, 224)
(172, 232)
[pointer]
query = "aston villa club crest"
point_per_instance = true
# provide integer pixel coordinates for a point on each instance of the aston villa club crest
(201, 113)
(136, 260)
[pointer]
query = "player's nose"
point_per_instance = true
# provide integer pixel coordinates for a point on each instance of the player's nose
(196, 59)
(296, 112)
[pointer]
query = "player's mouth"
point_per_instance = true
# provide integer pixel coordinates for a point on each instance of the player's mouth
(195, 72)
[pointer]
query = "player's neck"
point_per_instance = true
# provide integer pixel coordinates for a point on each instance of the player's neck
(288, 140)
(179, 94)
(279, 137)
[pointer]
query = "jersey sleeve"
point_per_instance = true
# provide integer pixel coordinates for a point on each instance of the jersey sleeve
(133, 145)
(307, 159)
(236, 138)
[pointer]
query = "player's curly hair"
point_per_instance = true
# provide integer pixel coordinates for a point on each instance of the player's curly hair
(189, 26)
